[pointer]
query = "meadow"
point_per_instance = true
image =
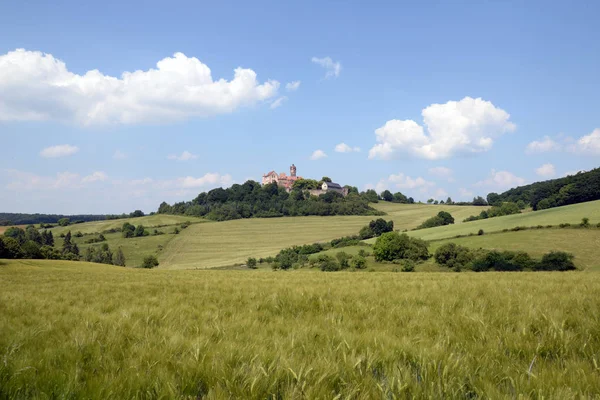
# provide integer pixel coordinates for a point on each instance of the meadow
(230, 242)
(79, 330)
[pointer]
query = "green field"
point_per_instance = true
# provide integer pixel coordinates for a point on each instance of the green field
(552, 216)
(231, 242)
(148, 221)
(78, 330)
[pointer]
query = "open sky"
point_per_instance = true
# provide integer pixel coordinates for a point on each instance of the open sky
(107, 107)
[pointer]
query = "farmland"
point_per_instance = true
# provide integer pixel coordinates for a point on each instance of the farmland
(72, 329)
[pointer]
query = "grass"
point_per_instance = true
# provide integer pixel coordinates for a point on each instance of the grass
(148, 221)
(78, 330)
(227, 243)
(553, 216)
(583, 243)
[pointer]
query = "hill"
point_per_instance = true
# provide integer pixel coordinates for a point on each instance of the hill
(230, 242)
(578, 188)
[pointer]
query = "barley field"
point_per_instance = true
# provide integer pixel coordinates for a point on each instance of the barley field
(78, 330)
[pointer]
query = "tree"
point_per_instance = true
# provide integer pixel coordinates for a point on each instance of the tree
(140, 231)
(33, 234)
(386, 195)
(16, 233)
(366, 233)
(67, 245)
(556, 261)
(394, 246)
(429, 201)
(449, 201)
(446, 217)
(64, 221)
(380, 226)
(128, 230)
(326, 179)
(479, 201)
(359, 262)
(371, 196)
(31, 249)
(47, 238)
(251, 263)
(12, 248)
(137, 213)
(494, 199)
(119, 258)
(400, 198)
(150, 262)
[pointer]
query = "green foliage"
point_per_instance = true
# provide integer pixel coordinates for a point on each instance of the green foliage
(498, 210)
(128, 230)
(394, 246)
(441, 219)
(136, 214)
(64, 221)
(380, 226)
(149, 262)
(359, 262)
(408, 266)
(326, 263)
(251, 263)
(140, 231)
(386, 195)
(366, 233)
(176, 231)
(343, 259)
(101, 254)
(78, 234)
(31, 249)
(585, 222)
(119, 258)
(480, 232)
(16, 233)
(556, 261)
(453, 256)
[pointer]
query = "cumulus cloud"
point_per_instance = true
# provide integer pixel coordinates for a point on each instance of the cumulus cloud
(546, 170)
(542, 146)
(184, 156)
(442, 172)
(278, 103)
(344, 148)
(588, 144)
(318, 154)
(22, 180)
(119, 155)
(38, 86)
(212, 179)
(333, 68)
(464, 193)
(456, 127)
(60, 150)
(501, 180)
(292, 86)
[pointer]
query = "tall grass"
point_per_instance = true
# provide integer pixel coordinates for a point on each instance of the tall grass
(92, 331)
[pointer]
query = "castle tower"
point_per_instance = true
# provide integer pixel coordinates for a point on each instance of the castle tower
(293, 170)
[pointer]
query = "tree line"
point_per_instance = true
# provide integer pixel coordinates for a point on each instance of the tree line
(572, 189)
(251, 199)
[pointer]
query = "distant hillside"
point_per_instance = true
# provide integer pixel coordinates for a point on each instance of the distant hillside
(25, 219)
(572, 189)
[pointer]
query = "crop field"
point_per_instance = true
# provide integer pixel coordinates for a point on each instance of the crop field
(81, 330)
(553, 216)
(230, 242)
(148, 221)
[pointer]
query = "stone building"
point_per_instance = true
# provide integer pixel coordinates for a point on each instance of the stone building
(282, 179)
(330, 187)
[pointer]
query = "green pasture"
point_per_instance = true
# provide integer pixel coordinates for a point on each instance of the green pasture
(79, 330)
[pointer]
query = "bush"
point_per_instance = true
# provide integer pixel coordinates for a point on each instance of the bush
(408, 266)
(566, 225)
(480, 233)
(251, 262)
(394, 246)
(442, 218)
(176, 231)
(556, 261)
(343, 259)
(363, 253)
(454, 256)
(127, 231)
(149, 262)
(359, 262)
(326, 263)
(585, 222)
(365, 233)
(185, 224)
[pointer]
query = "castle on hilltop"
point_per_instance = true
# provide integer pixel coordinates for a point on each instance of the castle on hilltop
(287, 182)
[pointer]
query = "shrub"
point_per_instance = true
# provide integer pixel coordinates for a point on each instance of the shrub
(149, 262)
(365, 233)
(326, 263)
(408, 266)
(480, 233)
(565, 225)
(127, 231)
(176, 231)
(585, 222)
(452, 255)
(363, 253)
(442, 218)
(119, 258)
(343, 259)
(251, 262)
(556, 261)
(500, 261)
(185, 224)
(394, 246)
(359, 262)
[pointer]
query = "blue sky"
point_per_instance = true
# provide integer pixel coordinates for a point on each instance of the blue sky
(442, 98)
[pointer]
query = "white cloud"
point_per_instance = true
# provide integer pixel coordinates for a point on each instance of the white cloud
(456, 127)
(37, 86)
(546, 170)
(205, 180)
(185, 156)
(463, 193)
(442, 172)
(333, 68)
(344, 148)
(292, 86)
(97, 176)
(588, 144)
(571, 173)
(278, 103)
(403, 181)
(61, 150)
(22, 180)
(119, 155)
(501, 180)
(318, 154)
(542, 146)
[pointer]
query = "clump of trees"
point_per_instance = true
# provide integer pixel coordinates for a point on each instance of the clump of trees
(376, 228)
(459, 257)
(251, 199)
(128, 230)
(572, 189)
(506, 208)
(394, 246)
(149, 262)
(397, 197)
(442, 218)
